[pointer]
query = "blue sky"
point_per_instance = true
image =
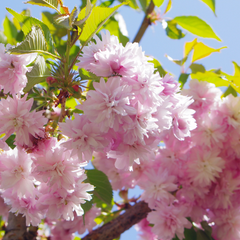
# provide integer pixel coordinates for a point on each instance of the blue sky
(156, 43)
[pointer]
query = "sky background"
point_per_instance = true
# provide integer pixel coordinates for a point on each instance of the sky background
(155, 42)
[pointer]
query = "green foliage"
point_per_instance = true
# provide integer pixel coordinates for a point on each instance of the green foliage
(144, 4)
(113, 27)
(158, 3)
(210, 4)
(183, 79)
(28, 22)
(10, 141)
(158, 67)
(196, 26)
(103, 188)
(201, 51)
(45, 3)
(172, 31)
(38, 74)
(10, 31)
(97, 18)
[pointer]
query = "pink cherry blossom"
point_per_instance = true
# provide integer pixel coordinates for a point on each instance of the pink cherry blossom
(16, 117)
(85, 137)
(13, 70)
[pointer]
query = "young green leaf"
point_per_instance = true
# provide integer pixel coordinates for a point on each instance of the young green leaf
(38, 74)
(158, 3)
(113, 27)
(144, 4)
(28, 22)
(201, 51)
(45, 3)
(236, 69)
(210, 4)
(211, 77)
(183, 79)
(10, 31)
(158, 67)
(10, 141)
(103, 188)
(196, 26)
(34, 42)
(169, 6)
(96, 20)
(172, 31)
(195, 67)
(3, 38)
(188, 47)
(230, 90)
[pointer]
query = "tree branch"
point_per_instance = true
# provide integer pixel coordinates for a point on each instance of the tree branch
(145, 23)
(16, 227)
(114, 228)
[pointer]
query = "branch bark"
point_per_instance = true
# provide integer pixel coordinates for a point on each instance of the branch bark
(145, 23)
(114, 228)
(16, 227)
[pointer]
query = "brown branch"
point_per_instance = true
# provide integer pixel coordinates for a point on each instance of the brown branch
(145, 23)
(114, 228)
(16, 227)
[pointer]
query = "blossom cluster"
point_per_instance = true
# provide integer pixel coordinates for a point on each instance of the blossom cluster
(180, 148)
(198, 177)
(38, 178)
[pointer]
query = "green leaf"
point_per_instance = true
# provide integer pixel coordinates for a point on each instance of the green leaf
(236, 69)
(190, 234)
(158, 3)
(48, 19)
(131, 3)
(3, 38)
(45, 3)
(103, 188)
(113, 27)
(201, 51)
(71, 103)
(10, 31)
(145, 4)
(172, 31)
(188, 47)
(87, 206)
(27, 24)
(169, 6)
(158, 67)
(38, 74)
(33, 43)
(96, 20)
(10, 141)
(210, 4)
(230, 90)
(85, 75)
(183, 79)
(211, 77)
(178, 62)
(196, 26)
(197, 68)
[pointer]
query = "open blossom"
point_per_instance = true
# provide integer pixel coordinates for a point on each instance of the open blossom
(57, 169)
(109, 105)
(168, 220)
(205, 166)
(15, 172)
(183, 121)
(13, 70)
(85, 137)
(109, 57)
(16, 117)
(158, 187)
(62, 204)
